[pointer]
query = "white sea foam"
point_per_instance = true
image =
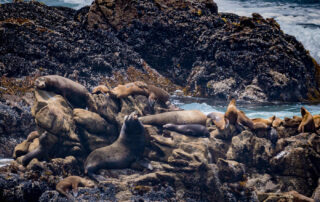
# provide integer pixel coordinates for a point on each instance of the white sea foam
(299, 20)
(251, 110)
(4, 162)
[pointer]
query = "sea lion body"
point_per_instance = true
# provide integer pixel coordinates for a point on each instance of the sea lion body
(195, 130)
(75, 93)
(136, 88)
(123, 152)
(157, 94)
(175, 117)
(262, 124)
(232, 112)
(123, 91)
(244, 120)
(307, 122)
(72, 182)
(316, 119)
(219, 120)
(236, 116)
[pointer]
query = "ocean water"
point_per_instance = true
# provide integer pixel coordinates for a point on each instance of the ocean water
(4, 161)
(300, 18)
(76, 4)
(251, 110)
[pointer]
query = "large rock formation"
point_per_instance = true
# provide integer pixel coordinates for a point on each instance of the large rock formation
(235, 164)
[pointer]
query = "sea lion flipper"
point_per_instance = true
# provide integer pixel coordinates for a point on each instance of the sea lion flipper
(142, 163)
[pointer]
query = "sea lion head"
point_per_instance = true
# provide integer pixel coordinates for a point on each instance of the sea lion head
(40, 83)
(303, 111)
(88, 183)
(132, 123)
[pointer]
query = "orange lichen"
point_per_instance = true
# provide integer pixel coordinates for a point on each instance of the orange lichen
(224, 19)
(13, 86)
(18, 21)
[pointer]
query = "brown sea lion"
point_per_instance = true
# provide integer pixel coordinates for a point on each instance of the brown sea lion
(195, 130)
(268, 121)
(316, 119)
(77, 95)
(232, 112)
(175, 117)
(244, 120)
(236, 116)
(100, 89)
(128, 148)
(219, 120)
(307, 123)
(46, 141)
(292, 122)
(72, 182)
(277, 122)
(136, 88)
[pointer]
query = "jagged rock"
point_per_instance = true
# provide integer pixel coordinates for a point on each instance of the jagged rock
(230, 171)
(250, 150)
(93, 123)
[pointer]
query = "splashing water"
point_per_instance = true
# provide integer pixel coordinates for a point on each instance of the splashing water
(300, 18)
(76, 4)
(251, 110)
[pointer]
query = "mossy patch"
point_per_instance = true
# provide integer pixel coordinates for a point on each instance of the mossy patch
(13, 86)
(17, 21)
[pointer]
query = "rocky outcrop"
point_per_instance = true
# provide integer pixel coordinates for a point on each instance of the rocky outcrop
(219, 55)
(234, 164)
(185, 45)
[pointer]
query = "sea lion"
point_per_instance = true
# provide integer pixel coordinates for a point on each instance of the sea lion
(196, 130)
(46, 141)
(307, 123)
(293, 122)
(232, 112)
(77, 95)
(128, 148)
(219, 120)
(316, 119)
(244, 120)
(136, 88)
(268, 121)
(72, 182)
(175, 117)
(237, 117)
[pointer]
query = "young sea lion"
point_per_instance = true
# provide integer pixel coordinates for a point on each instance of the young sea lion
(307, 123)
(128, 148)
(77, 95)
(175, 117)
(219, 120)
(72, 182)
(196, 130)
